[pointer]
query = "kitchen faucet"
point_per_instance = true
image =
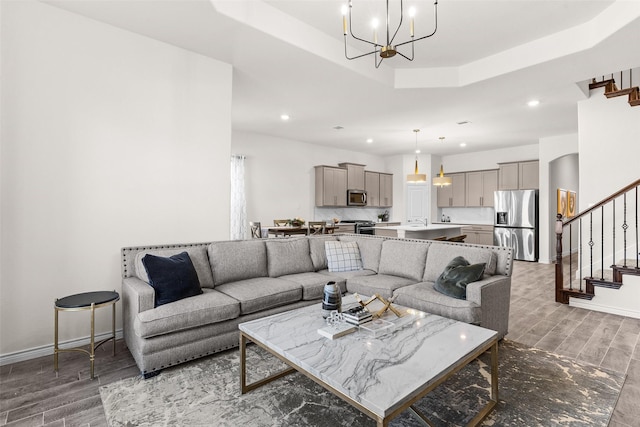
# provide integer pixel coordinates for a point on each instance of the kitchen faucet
(423, 221)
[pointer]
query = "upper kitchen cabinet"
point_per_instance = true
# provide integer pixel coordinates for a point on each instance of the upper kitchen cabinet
(528, 175)
(355, 175)
(519, 176)
(453, 195)
(480, 187)
(386, 190)
(331, 186)
(372, 187)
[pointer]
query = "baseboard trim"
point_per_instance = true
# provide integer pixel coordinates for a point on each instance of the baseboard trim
(589, 305)
(47, 350)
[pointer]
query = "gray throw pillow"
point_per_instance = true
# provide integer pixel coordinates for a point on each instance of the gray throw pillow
(456, 276)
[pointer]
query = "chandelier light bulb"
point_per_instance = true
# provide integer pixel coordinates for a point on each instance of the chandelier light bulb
(375, 23)
(412, 12)
(344, 10)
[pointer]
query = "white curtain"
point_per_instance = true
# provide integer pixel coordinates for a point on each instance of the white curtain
(238, 199)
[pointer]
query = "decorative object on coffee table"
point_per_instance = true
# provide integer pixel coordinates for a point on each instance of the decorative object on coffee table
(387, 305)
(331, 299)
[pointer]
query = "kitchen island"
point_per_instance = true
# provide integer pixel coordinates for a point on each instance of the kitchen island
(429, 232)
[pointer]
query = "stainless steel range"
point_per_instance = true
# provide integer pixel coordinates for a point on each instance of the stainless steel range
(362, 226)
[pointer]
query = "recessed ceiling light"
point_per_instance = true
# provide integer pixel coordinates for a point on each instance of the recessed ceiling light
(369, 140)
(338, 127)
(464, 122)
(441, 138)
(285, 117)
(533, 103)
(463, 144)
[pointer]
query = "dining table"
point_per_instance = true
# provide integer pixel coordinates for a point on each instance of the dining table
(292, 230)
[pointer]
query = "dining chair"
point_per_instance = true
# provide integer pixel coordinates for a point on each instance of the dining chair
(256, 229)
(316, 227)
(280, 222)
(459, 238)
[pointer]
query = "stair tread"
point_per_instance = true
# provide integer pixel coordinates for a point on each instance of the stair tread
(619, 92)
(595, 85)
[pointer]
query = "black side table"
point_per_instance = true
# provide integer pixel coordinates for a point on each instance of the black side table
(86, 301)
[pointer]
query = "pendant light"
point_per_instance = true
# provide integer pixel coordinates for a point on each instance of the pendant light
(415, 176)
(440, 179)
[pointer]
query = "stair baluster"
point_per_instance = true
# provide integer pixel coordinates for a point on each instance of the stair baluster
(589, 281)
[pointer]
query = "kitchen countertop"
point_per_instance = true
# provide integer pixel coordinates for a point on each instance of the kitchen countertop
(465, 223)
(429, 227)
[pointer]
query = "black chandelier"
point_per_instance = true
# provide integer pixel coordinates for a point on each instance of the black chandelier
(388, 49)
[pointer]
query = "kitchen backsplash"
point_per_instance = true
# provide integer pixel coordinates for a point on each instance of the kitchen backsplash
(370, 214)
(466, 215)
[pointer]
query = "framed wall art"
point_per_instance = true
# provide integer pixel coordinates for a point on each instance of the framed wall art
(571, 204)
(562, 201)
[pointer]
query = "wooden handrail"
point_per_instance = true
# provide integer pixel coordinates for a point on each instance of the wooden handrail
(604, 201)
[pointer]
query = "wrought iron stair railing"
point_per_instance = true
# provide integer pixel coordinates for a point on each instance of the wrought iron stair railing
(607, 234)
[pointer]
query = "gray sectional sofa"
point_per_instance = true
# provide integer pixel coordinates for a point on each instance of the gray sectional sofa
(248, 279)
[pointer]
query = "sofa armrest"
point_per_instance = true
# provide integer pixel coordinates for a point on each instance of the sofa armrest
(493, 295)
(138, 296)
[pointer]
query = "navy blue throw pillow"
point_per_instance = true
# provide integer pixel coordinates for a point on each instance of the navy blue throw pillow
(456, 276)
(173, 278)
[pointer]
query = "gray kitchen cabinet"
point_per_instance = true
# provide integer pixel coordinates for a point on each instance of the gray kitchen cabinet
(372, 187)
(331, 186)
(386, 190)
(478, 234)
(355, 175)
(453, 195)
(528, 178)
(480, 188)
(345, 228)
(519, 176)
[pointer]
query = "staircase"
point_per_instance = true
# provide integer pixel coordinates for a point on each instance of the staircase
(611, 90)
(617, 247)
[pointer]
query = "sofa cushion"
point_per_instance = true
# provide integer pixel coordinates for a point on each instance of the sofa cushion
(404, 259)
(377, 284)
(423, 297)
(237, 260)
(288, 256)
(347, 274)
(456, 276)
(198, 255)
(370, 250)
(441, 253)
(317, 251)
(262, 293)
(313, 284)
(172, 278)
(343, 256)
(211, 307)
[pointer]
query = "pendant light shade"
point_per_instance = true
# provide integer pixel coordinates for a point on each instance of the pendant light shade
(440, 179)
(415, 176)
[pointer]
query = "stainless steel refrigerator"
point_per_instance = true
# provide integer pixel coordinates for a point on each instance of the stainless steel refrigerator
(516, 222)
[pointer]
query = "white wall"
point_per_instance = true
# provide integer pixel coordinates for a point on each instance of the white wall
(488, 159)
(109, 139)
(566, 173)
(280, 177)
(609, 135)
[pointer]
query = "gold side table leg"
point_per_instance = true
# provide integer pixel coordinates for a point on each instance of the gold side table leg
(113, 328)
(93, 326)
(55, 340)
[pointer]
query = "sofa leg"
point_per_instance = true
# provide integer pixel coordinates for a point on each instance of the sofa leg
(148, 375)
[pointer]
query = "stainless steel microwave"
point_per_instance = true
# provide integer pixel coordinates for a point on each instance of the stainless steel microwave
(356, 198)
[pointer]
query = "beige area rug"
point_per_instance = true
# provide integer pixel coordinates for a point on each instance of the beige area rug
(536, 388)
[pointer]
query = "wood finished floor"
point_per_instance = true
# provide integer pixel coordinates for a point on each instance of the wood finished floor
(31, 394)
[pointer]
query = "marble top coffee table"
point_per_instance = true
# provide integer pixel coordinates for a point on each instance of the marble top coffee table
(381, 376)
